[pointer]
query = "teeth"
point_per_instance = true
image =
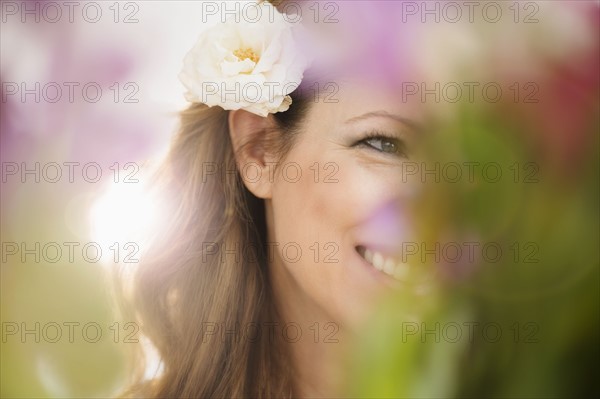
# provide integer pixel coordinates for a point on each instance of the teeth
(369, 256)
(389, 266)
(378, 261)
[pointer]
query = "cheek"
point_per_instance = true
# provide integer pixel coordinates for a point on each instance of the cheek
(322, 195)
(319, 205)
(305, 207)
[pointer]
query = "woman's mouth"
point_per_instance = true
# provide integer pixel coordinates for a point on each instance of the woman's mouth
(385, 264)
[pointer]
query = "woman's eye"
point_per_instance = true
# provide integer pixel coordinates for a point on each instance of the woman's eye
(385, 145)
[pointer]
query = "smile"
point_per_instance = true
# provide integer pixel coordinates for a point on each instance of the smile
(385, 264)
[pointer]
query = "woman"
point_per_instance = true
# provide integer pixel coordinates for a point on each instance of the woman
(270, 258)
(287, 192)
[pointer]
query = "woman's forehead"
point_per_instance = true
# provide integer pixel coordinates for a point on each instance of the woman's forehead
(347, 100)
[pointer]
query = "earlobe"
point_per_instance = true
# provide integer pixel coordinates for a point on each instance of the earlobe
(249, 140)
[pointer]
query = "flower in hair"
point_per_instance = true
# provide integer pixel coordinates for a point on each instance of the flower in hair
(251, 64)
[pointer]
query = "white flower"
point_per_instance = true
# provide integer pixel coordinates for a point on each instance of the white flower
(250, 65)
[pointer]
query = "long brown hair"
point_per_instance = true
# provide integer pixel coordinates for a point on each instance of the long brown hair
(206, 269)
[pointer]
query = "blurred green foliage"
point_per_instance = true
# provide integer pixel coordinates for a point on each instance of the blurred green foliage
(529, 319)
(47, 350)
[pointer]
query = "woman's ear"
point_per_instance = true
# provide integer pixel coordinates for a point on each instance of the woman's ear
(249, 137)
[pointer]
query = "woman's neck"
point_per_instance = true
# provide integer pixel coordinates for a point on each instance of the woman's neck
(306, 334)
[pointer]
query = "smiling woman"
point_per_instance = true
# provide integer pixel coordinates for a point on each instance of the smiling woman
(283, 241)
(366, 198)
(287, 221)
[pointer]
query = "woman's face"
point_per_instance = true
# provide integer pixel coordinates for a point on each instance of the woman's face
(332, 217)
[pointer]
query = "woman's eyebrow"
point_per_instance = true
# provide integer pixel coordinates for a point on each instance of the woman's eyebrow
(384, 114)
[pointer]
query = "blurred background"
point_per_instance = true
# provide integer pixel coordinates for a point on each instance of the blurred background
(102, 103)
(90, 97)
